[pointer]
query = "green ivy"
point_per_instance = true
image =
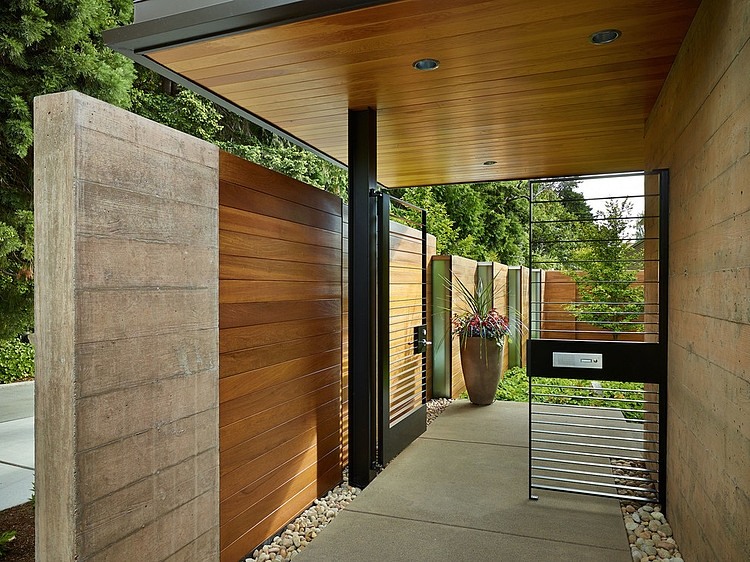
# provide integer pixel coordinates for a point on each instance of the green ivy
(16, 361)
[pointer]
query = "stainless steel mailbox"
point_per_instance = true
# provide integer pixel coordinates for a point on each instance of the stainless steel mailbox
(577, 360)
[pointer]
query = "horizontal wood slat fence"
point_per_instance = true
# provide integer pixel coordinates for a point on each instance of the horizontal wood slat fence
(283, 342)
(280, 341)
(558, 292)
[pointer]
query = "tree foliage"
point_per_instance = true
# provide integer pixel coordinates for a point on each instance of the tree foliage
(483, 221)
(561, 216)
(53, 45)
(45, 46)
(605, 271)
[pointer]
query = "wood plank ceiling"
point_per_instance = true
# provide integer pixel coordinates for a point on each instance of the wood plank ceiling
(519, 83)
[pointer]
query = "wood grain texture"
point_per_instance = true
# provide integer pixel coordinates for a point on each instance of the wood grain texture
(280, 308)
(518, 83)
(560, 291)
(464, 270)
(344, 458)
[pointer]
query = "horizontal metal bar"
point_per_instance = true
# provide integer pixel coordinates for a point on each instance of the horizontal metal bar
(603, 389)
(597, 484)
(594, 219)
(590, 473)
(598, 282)
(596, 455)
(587, 199)
(414, 303)
(595, 493)
(401, 362)
(589, 426)
(575, 397)
(575, 261)
(592, 436)
(536, 325)
(620, 323)
(589, 240)
(403, 203)
(585, 463)
(585, 416)
(592, 445)
(641, 173)
(552, 404)
(546, 313)
(597, 302)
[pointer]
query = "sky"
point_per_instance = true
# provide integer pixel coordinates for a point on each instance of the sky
(620, 188)
(614, 187)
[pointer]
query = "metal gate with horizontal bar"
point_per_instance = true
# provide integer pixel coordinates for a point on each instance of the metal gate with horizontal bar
(402, 326)
(598, 354)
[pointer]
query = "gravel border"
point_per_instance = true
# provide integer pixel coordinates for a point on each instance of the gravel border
(300, 532)
(649, 532)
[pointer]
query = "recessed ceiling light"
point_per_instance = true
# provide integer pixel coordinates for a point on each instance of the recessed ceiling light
(426, 64)
(489, 162)
(605, 36)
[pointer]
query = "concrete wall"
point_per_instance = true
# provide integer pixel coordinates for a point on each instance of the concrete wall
(700, 130)
(127, 336)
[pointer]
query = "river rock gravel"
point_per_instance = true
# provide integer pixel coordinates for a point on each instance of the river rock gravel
(300, 532)
(649, 533)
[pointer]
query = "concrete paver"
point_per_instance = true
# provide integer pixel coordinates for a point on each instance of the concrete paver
(16, 401)
(16, 443)
(461, 492)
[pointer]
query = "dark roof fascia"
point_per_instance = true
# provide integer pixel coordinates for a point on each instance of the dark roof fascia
(137, 39)
(186, 26)
(153, 9)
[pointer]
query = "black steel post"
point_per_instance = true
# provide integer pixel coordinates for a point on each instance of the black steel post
(383, 383)
(362, 297)
(663, 330)
(529, 373)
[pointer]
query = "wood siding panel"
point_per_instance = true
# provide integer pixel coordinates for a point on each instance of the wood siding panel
(545, 99)
(280, 303)
(558, 323)
(464, 270)
(500, 299)
(406, 313)
(344, 335)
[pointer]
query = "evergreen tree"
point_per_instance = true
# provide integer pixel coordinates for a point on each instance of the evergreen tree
(45, 46)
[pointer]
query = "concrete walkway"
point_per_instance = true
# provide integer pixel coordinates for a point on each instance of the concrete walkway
(460, 492)
(16, 443)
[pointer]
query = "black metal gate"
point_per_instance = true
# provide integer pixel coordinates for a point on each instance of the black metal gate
(402, 326)
(597, 357)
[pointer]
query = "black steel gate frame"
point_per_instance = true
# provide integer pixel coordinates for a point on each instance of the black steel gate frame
(539, 351)
(391, 440)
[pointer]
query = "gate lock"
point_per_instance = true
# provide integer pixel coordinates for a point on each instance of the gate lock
(420, 339)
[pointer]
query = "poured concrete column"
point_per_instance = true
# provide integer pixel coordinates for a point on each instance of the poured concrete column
(126, 273)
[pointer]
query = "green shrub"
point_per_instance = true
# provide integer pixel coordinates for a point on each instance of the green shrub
(16, 361)
(514, 387)
(6, 537)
